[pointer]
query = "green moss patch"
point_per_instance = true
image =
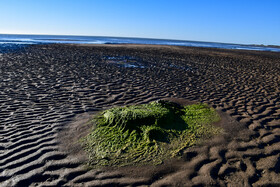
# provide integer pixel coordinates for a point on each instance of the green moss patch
(148, 133)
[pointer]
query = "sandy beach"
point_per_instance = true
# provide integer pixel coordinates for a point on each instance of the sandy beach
(47, 93)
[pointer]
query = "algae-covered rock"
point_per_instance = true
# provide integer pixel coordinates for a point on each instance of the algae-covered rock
(148, 133)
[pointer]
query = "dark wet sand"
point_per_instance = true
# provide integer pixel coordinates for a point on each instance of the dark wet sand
(47, 88)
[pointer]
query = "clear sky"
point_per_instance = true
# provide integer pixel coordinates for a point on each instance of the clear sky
(229, 21)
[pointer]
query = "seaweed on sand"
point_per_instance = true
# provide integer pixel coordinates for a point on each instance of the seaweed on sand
(148, 133)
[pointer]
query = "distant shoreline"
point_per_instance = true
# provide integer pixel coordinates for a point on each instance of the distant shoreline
(51, 39)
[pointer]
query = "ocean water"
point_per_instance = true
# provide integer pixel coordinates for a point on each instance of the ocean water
(13, 42)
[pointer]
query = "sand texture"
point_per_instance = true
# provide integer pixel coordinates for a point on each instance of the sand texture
(48, 91)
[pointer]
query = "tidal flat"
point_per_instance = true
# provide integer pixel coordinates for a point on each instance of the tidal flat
(47, 89)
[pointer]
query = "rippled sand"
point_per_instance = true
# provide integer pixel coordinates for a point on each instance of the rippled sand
(47, 88)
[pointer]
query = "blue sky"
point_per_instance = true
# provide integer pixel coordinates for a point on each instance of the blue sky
(229, 21)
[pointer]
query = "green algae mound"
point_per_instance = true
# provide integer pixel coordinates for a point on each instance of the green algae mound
(148, 133)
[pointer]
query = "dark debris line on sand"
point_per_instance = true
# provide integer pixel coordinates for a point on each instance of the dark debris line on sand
(44, 87)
